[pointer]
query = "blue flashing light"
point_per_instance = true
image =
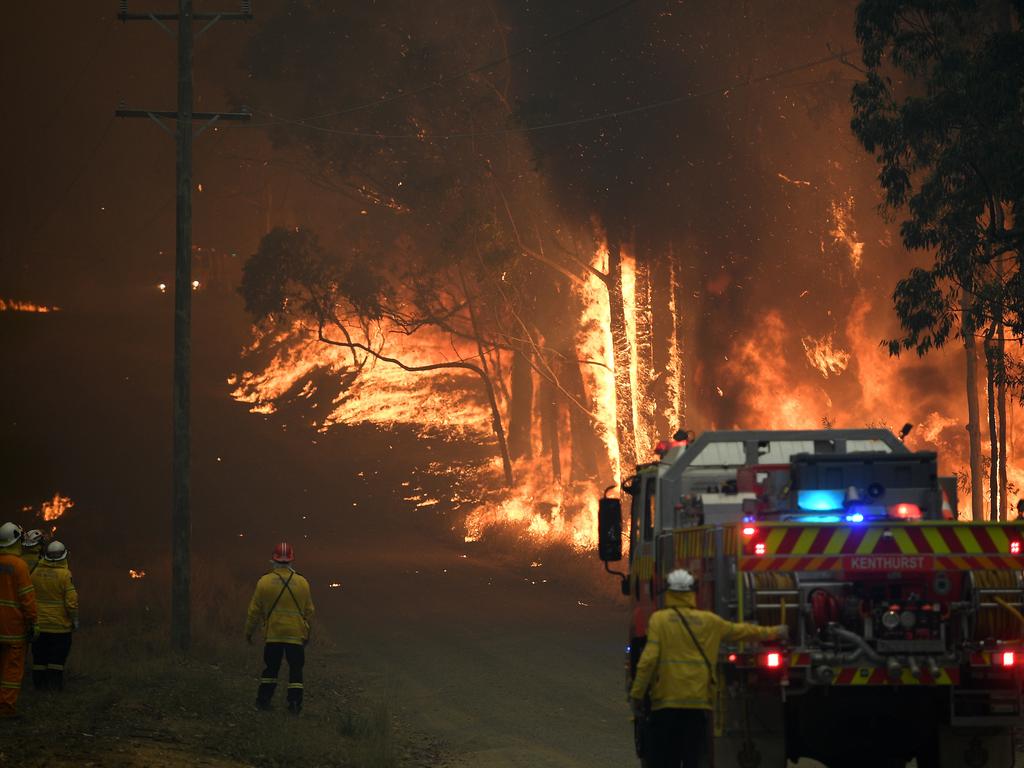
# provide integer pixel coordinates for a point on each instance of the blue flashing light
(819, 518)
(820, 500)
(856, 517)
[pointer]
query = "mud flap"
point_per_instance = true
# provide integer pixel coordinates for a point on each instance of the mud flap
(990, 747)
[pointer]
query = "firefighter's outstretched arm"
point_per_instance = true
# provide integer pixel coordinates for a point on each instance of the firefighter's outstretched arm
(735, 631)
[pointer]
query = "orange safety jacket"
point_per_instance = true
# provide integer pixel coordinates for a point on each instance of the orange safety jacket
(17, 599)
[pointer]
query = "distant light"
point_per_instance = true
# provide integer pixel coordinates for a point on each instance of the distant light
(820, 500)
(195, 285)
(335, 585)
(162, 287)
(199, 186)
(139, 574)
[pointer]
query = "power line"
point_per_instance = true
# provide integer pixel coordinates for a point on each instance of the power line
(581, 120)
(448, 80)
(78, 176)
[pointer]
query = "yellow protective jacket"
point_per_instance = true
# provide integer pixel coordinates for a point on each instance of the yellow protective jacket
(284, 612)
(31, 557)
(17, 597)
(672, 662)
(56, 596)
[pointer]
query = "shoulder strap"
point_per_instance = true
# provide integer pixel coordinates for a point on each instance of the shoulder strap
(294, 599)
(281, 593)
(700, 649)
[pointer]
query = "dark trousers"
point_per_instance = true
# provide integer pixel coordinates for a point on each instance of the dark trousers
(679, 737)
(49, 654)
(272, 655)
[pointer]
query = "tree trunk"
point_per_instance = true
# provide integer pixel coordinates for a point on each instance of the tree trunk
(1001, 398)
(584, 437)
(973, 411)
(993, 431)
(679, 337)
(496, 425)
(644, 324)
(660, 387)
(520, 441)
(549, 427)
(622, 356)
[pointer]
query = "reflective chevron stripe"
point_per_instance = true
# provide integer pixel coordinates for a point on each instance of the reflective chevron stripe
(878, 676)
(883, 547)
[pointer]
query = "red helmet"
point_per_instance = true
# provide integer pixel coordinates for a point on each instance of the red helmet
(283, 553)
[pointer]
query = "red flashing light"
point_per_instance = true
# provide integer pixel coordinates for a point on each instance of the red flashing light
(732, 658)
(906, 512)
(759, 548)
(1007, 658)
(1014, 547)
(773, 660)
(749, 530)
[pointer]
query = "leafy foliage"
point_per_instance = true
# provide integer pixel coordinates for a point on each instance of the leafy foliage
(941, 108)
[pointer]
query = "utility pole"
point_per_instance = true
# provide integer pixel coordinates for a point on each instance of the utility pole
(181, 515)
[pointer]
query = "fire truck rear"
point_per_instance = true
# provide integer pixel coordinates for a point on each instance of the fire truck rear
(905, 624)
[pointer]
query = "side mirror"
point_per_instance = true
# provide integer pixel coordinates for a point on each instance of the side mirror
(609, 530)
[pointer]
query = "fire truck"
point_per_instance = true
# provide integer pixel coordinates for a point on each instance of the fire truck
(906, 636)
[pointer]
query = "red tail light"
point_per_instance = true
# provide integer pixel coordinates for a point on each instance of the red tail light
(905, 512)
(1014, 547)
(759, 548)
(1007, 658)
(773, 660)
(732, 658)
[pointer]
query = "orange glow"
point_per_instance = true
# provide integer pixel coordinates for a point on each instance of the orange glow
(140, 574)
(9, 305)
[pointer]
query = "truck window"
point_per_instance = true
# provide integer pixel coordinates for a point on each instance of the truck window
(649, 501)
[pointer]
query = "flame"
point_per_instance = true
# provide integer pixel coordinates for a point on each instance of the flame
(56, 507)
(10, 305)
(140, 574)
(822, 355)
(843, 231)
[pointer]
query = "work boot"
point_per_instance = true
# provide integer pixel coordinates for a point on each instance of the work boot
(56, 679)
(39, 679)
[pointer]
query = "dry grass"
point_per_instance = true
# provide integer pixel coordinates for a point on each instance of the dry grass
(130, 700)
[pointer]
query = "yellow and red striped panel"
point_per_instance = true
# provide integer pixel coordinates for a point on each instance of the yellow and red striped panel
(884, 547)
(878, 676)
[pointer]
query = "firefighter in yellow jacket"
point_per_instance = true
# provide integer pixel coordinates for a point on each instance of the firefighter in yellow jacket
(31, 548)
(283, 607)
(57, 600)
(677, 666)
(17, 617)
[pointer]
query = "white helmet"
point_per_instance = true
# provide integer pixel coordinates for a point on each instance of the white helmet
(55, 551)
(680, 580)
(32, 538)
(10, 533)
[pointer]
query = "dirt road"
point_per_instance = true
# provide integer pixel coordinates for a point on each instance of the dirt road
(509, 670)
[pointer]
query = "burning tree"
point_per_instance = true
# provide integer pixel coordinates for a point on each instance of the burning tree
(941, 109)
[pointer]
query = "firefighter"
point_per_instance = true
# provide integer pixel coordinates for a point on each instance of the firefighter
(681, 644)
(17, 617)
(31, 546)
(283, 607)
(57, 601)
